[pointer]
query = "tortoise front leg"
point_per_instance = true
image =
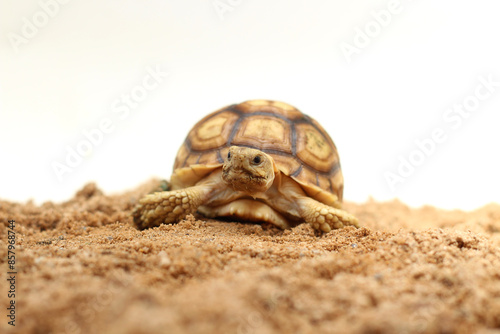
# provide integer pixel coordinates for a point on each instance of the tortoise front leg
(169, 206)
(323, 217)
(291, 198)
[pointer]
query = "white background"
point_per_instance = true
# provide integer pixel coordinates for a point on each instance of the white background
(64, 79)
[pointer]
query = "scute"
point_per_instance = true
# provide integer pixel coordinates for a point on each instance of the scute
(299, 145)
(212, 132)
(314, 148)
(275, 107)
(264, 132)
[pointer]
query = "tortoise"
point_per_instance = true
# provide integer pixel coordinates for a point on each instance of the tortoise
(257, 161)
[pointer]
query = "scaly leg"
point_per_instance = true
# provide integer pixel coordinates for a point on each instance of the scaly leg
(323, 217)
(169, 206)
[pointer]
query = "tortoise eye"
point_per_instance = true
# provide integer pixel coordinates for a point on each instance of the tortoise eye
(257, 159)
(228, 155)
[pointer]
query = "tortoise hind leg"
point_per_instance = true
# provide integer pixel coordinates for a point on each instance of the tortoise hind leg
(323, 217)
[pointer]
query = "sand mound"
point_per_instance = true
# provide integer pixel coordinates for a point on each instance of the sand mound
(82, 268)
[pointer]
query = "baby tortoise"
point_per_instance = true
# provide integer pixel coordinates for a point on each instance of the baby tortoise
(259, 161)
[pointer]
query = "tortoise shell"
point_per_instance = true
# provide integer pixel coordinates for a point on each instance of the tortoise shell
(299, 145)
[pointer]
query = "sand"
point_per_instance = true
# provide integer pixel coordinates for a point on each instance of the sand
(83, 268)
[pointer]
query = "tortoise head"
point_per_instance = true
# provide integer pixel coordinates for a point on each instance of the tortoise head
(248, 170)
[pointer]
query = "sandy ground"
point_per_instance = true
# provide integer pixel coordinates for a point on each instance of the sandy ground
(82, 268)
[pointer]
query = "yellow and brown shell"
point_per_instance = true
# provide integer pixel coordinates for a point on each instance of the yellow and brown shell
(300, 147)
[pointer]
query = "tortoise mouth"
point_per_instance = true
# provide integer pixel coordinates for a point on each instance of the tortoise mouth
(240, 178)
(244, 180)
